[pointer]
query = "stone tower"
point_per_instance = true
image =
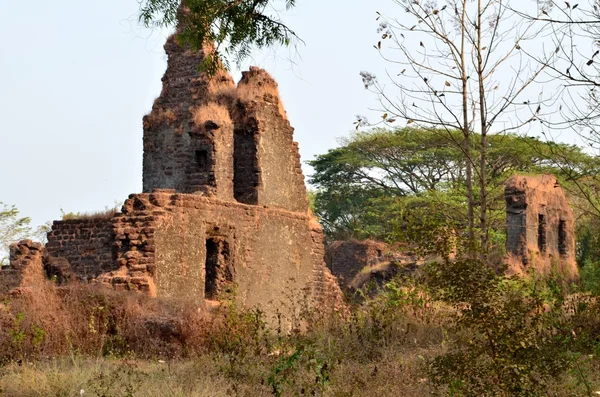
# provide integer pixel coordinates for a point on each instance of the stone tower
(206, 136)
(540, 226)
(223, 208)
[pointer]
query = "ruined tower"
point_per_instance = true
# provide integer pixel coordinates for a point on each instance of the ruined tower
(223, 210)
(540, 226)
(206, 136)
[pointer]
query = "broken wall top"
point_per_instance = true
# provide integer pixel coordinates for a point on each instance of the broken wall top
(540, 226)
(537, 194)
(207, 136)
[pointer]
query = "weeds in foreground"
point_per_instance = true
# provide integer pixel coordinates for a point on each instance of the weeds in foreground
(460, 329)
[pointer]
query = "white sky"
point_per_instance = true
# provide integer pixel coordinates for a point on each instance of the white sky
(76, 77)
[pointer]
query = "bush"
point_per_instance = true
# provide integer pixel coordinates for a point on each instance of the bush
(589, 275)
(509, 337)
(459, 329)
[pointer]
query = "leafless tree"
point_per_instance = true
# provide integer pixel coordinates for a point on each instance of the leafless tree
(573, 60)
(575, 33)
(462, 65)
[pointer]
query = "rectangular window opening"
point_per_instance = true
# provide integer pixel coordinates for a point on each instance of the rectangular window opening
(202, 160)
(562, 237)
(246, 175)
(542, 232)
(218, 272)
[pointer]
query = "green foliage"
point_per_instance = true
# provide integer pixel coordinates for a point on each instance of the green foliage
(234, 26)
(510, 337)
(589, 275)
(310, 196)
(13, 227)
(408, 185)
(17, 333)
(286, 369)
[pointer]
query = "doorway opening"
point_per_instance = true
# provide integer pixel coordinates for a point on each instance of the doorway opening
(218, 272)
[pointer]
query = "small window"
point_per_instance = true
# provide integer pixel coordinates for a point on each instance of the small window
(562, 237)
(202, 160)
(542, 232)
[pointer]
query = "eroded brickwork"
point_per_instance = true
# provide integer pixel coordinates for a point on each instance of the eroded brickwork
(268, 162)
(359, 263)
(188, 136)
(346, 259)
(26, 269)
(207, 136)
(85, 244)
(223, 211)
(194, 248)
(540, 226)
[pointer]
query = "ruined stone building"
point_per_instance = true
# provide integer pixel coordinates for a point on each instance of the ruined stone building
(357, 264)
(540, 239)
(540, 226)
(223, 208)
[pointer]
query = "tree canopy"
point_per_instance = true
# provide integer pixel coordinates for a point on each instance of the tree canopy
(13, 227)
(408, 185)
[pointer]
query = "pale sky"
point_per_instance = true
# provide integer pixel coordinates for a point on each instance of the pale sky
(76, 78)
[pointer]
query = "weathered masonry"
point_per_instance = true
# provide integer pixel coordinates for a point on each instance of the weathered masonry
(223, 208)
(540, 226)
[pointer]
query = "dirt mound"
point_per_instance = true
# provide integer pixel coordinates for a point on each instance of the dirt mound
(357, 264)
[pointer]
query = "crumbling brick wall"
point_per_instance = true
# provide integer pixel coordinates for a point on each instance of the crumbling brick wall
(86, 244)
(223, 209)
(326, 288)
(188, 136)
(346, 259)
(359, 263)
(26, 267)
(261, 124)
(207, 136)
(540, 226)
(190, 247)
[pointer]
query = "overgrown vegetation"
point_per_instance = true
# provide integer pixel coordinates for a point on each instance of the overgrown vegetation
(408, 185)
(460, 328)
(108, 212)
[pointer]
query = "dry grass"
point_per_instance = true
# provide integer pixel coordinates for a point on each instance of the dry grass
(104, 214)
(91, 319)
(233, 353)
(159, 117)
(212, 111)
(111, 343)
(221, 88)
(80, 376)
(260, 86)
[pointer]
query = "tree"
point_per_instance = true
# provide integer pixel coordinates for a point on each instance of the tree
(449, 65)
(13, 227)
(234, 26)
(572, 59)
(408, 185)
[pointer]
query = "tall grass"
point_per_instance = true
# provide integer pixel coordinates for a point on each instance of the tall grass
(459, 330)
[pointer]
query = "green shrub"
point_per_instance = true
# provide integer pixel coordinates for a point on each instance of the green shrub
(589, 275)
(508, 337)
